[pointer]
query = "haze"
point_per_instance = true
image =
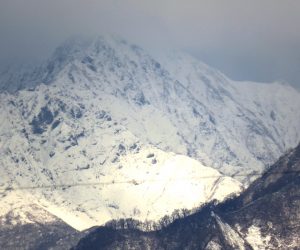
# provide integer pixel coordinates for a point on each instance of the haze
(247, 40)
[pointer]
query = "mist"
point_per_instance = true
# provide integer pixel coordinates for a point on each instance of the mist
(247, 40)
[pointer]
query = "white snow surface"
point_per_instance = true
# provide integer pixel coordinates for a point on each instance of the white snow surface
(139, 136)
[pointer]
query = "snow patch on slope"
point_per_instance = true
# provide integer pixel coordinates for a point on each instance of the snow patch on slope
(255, 238)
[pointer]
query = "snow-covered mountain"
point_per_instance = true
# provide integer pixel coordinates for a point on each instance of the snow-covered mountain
(137, 134)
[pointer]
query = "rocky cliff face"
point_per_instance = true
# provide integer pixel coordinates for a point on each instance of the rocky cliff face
(265, 216)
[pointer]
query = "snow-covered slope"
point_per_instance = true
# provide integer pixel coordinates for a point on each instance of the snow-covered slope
(106, 116)
(89, 167)
(251, 124)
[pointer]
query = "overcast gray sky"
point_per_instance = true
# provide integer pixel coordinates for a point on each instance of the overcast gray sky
(246, 39)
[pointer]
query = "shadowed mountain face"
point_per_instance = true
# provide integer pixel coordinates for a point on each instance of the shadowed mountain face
(265, 216)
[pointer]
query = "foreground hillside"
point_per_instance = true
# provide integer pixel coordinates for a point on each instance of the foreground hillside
(265, 216)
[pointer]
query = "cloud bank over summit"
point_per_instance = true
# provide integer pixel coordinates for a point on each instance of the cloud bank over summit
(248, 41)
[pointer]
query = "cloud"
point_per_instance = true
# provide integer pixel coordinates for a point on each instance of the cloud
(248, 40)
